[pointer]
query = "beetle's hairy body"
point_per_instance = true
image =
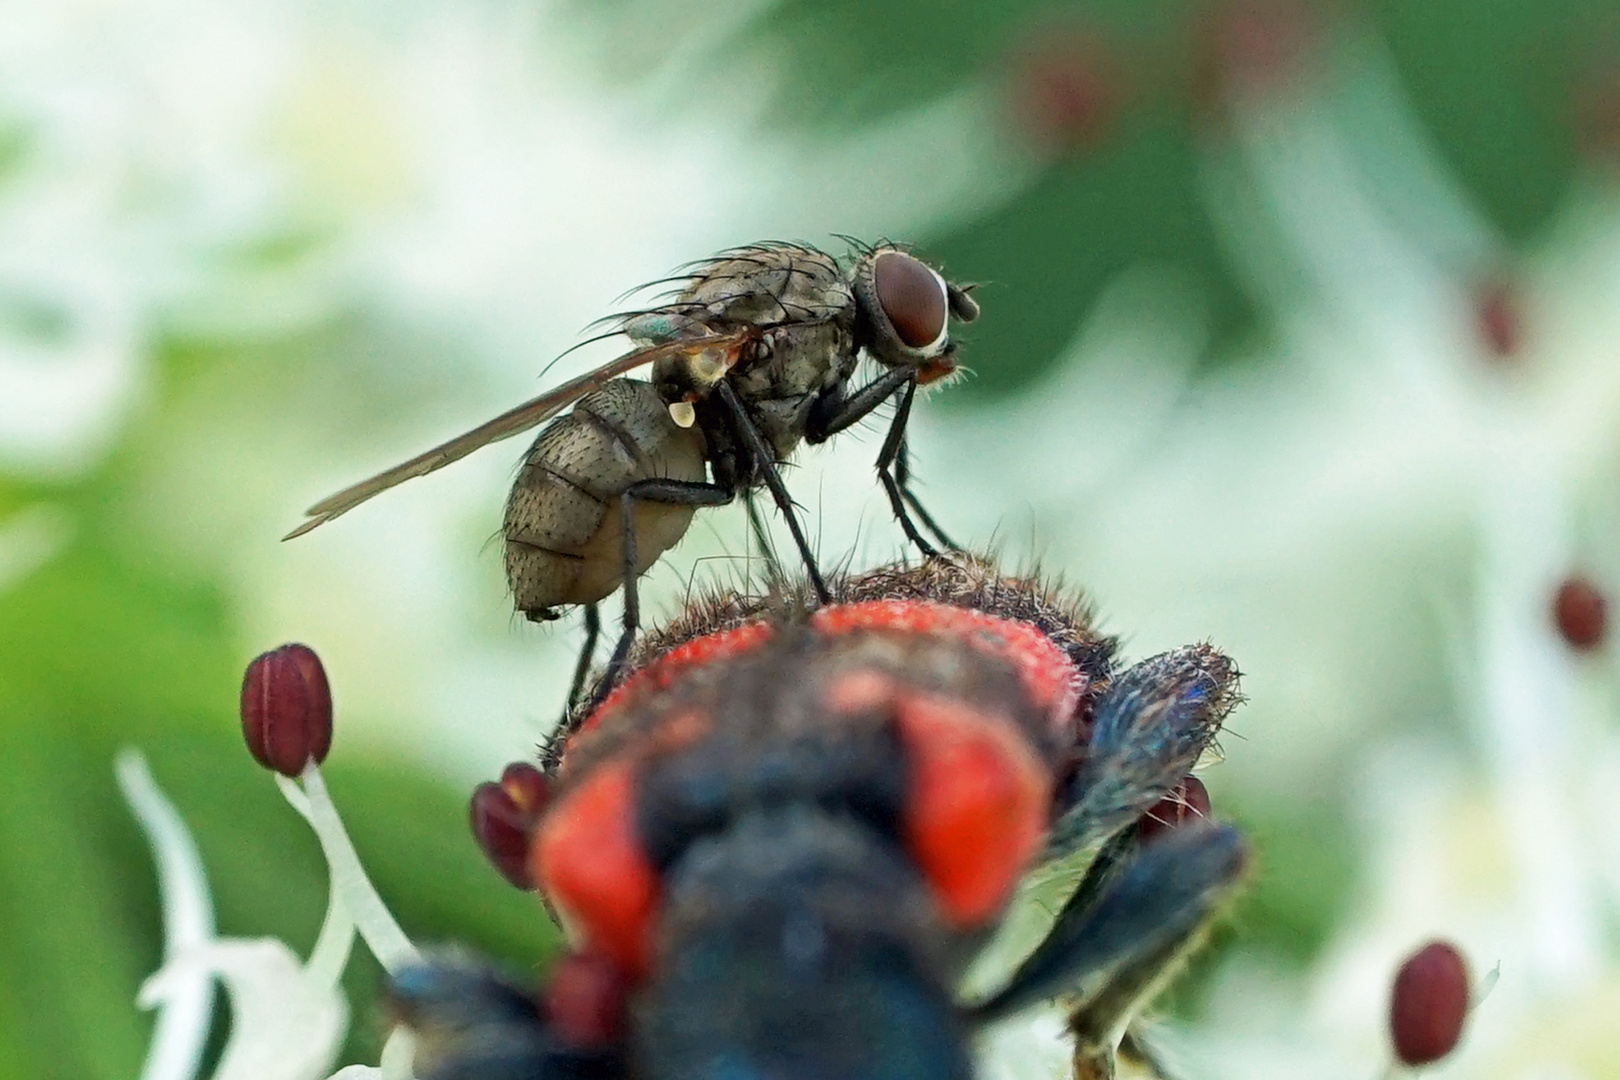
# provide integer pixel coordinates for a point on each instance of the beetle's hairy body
(564, 517)
(784, 833)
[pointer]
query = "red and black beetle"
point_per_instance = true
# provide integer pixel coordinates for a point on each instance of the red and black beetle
(781, 838)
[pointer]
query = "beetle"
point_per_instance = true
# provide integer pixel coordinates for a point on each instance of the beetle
(751, 356)
(786, 831)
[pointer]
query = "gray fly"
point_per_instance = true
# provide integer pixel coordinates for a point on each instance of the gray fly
(752, 355)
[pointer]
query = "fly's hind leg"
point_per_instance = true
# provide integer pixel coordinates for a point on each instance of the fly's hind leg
(582, 669)
(673, 492)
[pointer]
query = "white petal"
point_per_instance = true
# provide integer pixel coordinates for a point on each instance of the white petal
(185, 1000)
(349, 881)
(285, 1025)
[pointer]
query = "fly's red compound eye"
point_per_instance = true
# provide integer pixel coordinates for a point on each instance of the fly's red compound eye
(914, 298)
(1045, 670)
(589, 861)
(975, 806)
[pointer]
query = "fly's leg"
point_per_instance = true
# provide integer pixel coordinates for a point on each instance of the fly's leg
(902, 477)
(582, 669)
(773, 481)
(762, 538)
(835, 414)
(675, 492)
(894, 471)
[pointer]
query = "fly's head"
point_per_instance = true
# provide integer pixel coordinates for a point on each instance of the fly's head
(903, 312)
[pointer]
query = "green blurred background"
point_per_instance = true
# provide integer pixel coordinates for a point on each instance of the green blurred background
(249, 253)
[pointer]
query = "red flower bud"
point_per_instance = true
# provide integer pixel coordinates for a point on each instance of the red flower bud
(1501, 324)
(503, 817)
(1428, 1004)
(287, 709)
(1580, 613)
(584, 1001)
(1187, 801)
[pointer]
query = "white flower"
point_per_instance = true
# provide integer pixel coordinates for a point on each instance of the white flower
(288, 1018)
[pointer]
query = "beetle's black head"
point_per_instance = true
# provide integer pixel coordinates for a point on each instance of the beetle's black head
(798, 945)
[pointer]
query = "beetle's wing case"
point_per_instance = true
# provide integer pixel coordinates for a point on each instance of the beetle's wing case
(563, 518)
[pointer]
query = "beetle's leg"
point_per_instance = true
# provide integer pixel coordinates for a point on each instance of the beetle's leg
(675, 492)
(470, 1024)
(773, 481)
(582, 669)
(1148, 729)
(1123, 933)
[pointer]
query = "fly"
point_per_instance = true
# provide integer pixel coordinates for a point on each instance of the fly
(753, 355)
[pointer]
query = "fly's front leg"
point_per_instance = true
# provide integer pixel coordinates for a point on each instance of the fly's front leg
(773, 481)
(835, 414)
(894, 472)
(675, 492)
(902, 477)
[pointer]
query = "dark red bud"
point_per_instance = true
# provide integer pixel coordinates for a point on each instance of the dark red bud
(1428, 1004)
(287, 709)
(1500, 323)
(584, 1000)
(1580, 613)
(1187, 801)
(529, 788)
(1065, 89)
(503, 817)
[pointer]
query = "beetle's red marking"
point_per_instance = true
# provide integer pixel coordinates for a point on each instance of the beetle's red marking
(589, 861)
(584, 1000)
(975, 806)
(1046, 671)
(663, 671)
(859, 691)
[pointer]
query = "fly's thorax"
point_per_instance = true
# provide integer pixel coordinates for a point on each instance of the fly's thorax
(765, 285)
(563, 516)
(798, 943)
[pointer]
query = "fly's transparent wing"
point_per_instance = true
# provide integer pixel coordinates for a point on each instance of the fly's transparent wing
(516, 420)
